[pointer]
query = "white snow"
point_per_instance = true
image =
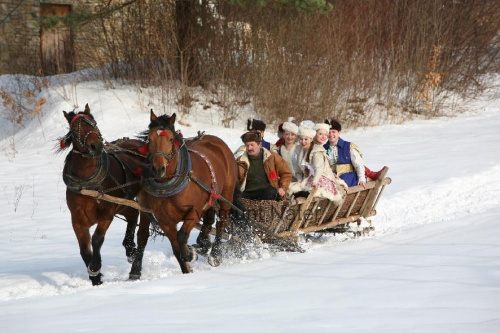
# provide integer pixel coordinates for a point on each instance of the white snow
(432, 264)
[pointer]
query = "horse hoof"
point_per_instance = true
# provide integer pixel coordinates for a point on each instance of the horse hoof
(214, 261)
(96, 280)
(194, 254)
(201, 250)
(131, 255)
(134, 277)
(202, 245)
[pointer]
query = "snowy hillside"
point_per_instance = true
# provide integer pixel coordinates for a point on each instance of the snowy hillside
(432, 265)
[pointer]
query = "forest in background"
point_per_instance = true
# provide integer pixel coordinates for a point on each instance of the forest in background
(354, 60)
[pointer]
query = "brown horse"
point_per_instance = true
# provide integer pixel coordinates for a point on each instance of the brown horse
(113, 169)
(186, 181)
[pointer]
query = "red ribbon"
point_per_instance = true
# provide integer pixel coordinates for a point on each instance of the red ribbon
(213, 195)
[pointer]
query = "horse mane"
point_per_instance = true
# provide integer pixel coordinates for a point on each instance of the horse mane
(65, 141)
(161, 122)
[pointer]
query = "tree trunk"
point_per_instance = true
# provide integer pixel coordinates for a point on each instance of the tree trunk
(185, 19)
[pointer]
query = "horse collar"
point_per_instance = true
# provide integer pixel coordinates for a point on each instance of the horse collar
(177, 183)
(93, 182)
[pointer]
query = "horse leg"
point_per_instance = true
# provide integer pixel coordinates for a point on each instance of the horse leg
(203, 239)
(94, 268)
(142, 240)
(171, 233)
(128, 241)
(83, 236)
(188, 253)
(215, 258)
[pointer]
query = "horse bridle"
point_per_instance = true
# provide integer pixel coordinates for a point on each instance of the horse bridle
(170, 155)
(76, 133)
(179, 180)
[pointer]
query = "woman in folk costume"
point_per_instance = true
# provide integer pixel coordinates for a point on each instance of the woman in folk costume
(315, 166)
(289, 149)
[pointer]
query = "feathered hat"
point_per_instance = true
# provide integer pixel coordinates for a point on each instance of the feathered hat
(255, 125)
(334, 124)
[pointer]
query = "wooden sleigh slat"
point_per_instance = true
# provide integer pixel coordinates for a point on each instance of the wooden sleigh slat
(317, 214)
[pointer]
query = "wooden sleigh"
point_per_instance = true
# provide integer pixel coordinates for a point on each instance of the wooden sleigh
(289, 219)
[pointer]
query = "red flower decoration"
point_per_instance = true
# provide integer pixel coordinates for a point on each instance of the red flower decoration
(62, 144)
(176, 144)
(162, 133)
(144, 150)
(272, 175)
(138, 171)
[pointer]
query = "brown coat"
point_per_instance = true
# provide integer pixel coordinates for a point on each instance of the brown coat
(277, 170)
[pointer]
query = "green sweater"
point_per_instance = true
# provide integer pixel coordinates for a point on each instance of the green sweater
(256, 176)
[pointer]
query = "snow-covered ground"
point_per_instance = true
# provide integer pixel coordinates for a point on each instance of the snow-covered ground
(432, 265)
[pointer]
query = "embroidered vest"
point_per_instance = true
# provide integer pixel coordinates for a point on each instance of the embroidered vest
(343, 167)
(266, 144)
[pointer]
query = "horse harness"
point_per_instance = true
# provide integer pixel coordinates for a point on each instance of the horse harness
(95, 181)
(183, 174)
(76, 133)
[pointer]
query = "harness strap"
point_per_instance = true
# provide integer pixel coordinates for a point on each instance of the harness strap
(127, 191)
(214, 193)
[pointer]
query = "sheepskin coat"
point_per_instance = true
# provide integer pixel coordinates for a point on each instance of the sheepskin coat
(277, 171)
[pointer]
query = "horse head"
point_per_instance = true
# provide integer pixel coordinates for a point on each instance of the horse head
(162, 142)
(83, 134)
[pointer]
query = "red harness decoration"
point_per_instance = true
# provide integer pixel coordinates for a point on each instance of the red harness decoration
(137, 171)
(214, 194)
(78, 116)
(144, 150)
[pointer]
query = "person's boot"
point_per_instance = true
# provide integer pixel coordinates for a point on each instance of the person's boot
(372, 174)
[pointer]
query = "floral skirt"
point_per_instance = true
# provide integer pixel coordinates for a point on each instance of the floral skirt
(326, 184)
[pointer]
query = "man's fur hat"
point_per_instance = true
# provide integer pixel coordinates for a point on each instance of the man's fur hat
(251, 136)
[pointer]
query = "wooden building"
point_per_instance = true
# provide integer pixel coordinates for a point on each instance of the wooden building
(27, 47)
